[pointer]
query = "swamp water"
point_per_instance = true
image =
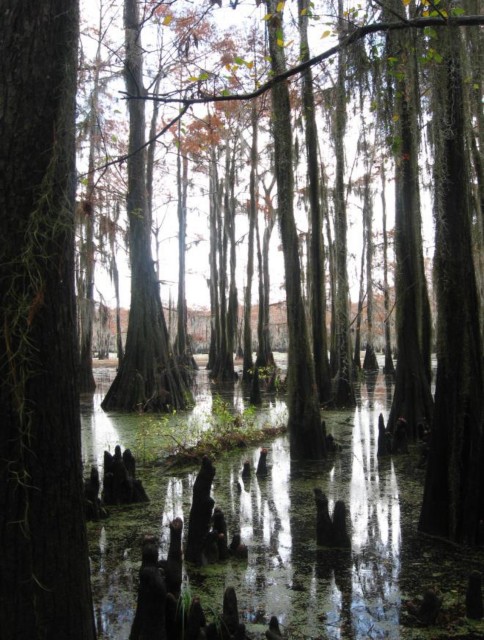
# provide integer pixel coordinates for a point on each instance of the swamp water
(315, 593)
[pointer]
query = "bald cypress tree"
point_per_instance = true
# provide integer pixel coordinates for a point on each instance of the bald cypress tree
(453, 503)
(304, 424)
(148, 378)
(45, 589)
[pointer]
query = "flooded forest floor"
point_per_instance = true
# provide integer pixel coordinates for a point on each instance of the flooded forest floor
(315, 593)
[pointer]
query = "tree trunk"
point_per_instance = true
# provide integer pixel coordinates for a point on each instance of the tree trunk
(388, 367)
(316, 249)
(265, 357)
(253, 211)
(412, 399)
(359, 313)
(474, 45)
(148, 378)
(453, 504)
(214, 205)
(223, 366)
(370, 363)
(44, 566)
(85, 282)
(183, 350)
(344, 395)
(304, 422)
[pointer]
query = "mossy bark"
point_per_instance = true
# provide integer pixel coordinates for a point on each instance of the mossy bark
(44, 567)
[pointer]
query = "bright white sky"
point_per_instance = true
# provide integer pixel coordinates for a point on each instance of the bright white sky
(197, 255)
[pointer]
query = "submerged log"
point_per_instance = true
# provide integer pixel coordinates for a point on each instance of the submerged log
(200, 512)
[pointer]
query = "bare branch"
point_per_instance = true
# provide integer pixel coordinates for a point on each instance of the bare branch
(121, 159)
(346, 41)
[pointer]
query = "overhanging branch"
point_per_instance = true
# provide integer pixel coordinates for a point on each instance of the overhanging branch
(345, 41)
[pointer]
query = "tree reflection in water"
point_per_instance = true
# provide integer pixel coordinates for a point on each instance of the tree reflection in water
(314, 592)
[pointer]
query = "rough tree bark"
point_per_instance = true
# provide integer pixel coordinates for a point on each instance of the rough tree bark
(44, 567)
(304, 421)
(453, 504)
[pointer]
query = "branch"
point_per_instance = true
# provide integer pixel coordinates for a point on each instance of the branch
(354, 36)
(121, 159)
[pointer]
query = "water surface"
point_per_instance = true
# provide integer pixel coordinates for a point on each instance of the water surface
(314, 592)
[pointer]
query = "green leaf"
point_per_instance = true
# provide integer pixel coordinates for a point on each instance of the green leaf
(430, 32)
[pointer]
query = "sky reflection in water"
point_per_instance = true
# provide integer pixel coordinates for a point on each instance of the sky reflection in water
(315, 593)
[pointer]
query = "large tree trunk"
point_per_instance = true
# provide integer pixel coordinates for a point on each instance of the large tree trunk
(317, 255)
(453, 504)
(304, 422)
(412, 399)
(44, 567)
(148, 378)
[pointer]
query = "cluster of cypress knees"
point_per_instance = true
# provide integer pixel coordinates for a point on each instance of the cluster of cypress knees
(162, 612)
